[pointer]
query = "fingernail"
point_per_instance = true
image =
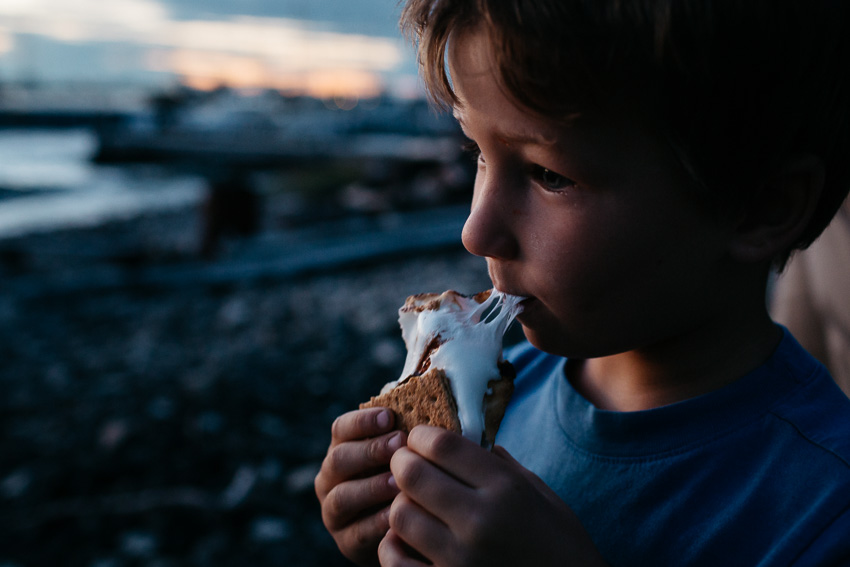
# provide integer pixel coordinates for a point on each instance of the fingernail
(394, 443)
(391, 481)
(383, 419)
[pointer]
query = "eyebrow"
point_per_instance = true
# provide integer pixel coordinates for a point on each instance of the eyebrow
(526, 137)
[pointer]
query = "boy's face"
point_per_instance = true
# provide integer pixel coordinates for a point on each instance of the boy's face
(591, 220)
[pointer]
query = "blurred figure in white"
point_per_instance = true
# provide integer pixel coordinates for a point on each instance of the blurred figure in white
(812, 298)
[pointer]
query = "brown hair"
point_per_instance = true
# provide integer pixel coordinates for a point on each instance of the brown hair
(736, 87)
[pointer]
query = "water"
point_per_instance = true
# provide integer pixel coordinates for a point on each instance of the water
(48, 181)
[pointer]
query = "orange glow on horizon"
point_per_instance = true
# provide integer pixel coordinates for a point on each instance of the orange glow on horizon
(7, 42)
(340, 83)
(208, 70)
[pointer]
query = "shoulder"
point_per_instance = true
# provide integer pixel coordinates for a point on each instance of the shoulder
(818, 413)
(816, 409)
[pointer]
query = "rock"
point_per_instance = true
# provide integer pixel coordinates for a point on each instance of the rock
(139, 545)
(240, 486)
(272, 426)
(269, 529)
(113, 433)
(226, 391)
(300, 479)
(15, 484)
(161, 408)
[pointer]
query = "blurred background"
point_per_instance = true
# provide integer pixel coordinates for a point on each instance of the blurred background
(210, 212)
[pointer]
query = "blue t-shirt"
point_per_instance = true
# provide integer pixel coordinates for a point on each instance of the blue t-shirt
(754, 474)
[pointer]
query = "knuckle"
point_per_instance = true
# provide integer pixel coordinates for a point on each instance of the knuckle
(443, 443)
(474, 523)
(399, 517)
(379, 489)
(352, 425)
(336, 459)
(360, 535)
(477, 528)
(509, 488)
(505, 485)
(332, 510)
(409, 472)
(361, 421)
(384, 552)
(336, 427)
(466, 555)
(375, 450)
(343, 426)
(327, 477)
(367, 533)
(319, 485)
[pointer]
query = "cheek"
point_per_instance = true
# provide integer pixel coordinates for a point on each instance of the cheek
(590, 271)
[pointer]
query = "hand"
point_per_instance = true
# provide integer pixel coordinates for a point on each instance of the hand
(462, 506)
(353, 484)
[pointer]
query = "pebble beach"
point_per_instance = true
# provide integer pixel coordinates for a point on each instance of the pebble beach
(161, 424)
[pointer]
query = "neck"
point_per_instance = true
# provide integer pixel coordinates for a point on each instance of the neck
(681, 367)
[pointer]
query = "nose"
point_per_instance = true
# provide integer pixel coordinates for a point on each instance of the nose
(488, 230)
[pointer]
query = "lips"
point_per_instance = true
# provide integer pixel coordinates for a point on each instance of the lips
(527, 304)
(511, 291)
(500, 284)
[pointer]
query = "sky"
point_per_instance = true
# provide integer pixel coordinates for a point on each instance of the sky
(319, 47)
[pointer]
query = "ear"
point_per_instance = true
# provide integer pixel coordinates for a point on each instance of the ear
(776, 216)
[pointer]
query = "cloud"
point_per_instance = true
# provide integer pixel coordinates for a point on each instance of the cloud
(85, 20)
(284, 43)
(7, 41)
(267, 49)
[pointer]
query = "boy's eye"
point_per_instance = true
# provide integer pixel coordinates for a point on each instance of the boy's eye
(471, 148)
(546, 177)
(551, 180)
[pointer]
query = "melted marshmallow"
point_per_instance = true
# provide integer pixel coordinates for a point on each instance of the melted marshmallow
(469, 347)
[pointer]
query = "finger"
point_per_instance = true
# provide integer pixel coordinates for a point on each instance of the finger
(360, 424)
(504, 455)
(457, 456)
(430, 487)
(419, 529)
(535, 480)
(394, 552)
(348, 501)
(359, 541)
(356, 459)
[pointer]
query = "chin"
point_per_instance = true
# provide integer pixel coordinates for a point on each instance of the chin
(544, 341)
(559, 343)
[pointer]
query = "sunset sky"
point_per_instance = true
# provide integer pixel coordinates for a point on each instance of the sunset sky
(321, 47)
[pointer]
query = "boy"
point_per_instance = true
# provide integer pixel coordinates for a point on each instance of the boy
(642, 166)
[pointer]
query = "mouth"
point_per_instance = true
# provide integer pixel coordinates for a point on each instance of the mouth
(496, 279)
(527, 306)
(527, 302)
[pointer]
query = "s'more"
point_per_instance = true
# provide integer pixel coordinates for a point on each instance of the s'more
(454, 375)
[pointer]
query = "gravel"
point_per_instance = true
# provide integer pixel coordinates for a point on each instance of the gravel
(183, 425)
